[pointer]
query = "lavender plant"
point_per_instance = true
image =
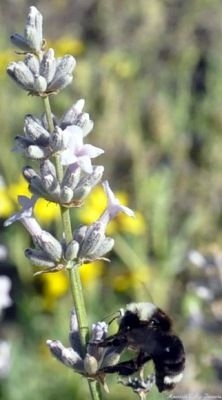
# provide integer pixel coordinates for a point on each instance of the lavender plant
(65, 175)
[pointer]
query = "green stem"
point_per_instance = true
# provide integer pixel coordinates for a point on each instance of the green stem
(74, 276)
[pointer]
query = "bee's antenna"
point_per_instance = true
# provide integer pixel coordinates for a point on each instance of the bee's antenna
(116, 313)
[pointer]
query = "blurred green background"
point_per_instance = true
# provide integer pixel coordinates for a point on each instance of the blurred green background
(151, 74)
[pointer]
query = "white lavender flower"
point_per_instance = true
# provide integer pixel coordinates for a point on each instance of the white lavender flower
(77, 152)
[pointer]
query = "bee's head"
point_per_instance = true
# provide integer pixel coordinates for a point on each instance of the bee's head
(137, 315)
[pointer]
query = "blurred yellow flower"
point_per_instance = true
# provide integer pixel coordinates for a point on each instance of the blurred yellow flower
(96, 203)
(54, 287)
(121, 64)
(9, 194)
(19, 188)
(131, 279)
(46, 211)
(91, 272)
(6, 204)
(68, 45)
(5, 58)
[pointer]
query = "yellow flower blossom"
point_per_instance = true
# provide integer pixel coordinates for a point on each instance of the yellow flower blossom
(46, 211)
(122, 65)
(54, 287)
(91, 272)
(19, 188)
(6, 204)
(68, 45)
(5, 58)
(131, 279)
(96, 203)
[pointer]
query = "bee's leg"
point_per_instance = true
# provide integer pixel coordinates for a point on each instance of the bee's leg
(124, 368)
(114, 340)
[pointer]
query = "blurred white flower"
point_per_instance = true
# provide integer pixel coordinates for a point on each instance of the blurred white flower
(5, 355)
(5, 286)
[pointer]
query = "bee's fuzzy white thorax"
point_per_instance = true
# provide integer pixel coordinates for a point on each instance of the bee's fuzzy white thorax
(144, 310)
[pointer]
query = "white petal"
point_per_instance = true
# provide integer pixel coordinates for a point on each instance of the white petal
(92, 151)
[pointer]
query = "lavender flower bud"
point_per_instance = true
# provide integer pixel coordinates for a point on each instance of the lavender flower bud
(94, 236)
(86, 183)
(90, 364)
(99, 332)
(74, 336)
(21, 74)
(67, 356)
(104, 248)
(21, 144)
(72, 250)
(29, 173)
(33, 29)
(40, 84)
(35, 131)
(66, 195)
(71, 116)
(91, 180)
(75, 116)
(80, 193)
(48, 65)
(35, 182)
(37, 153)
(49, 178)
(71, 176)
(63, 74)
(50, 245)
(39, 258)
(47, 168)
(20, 42)
(79, 233)
(56, 140)
(32, 63)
